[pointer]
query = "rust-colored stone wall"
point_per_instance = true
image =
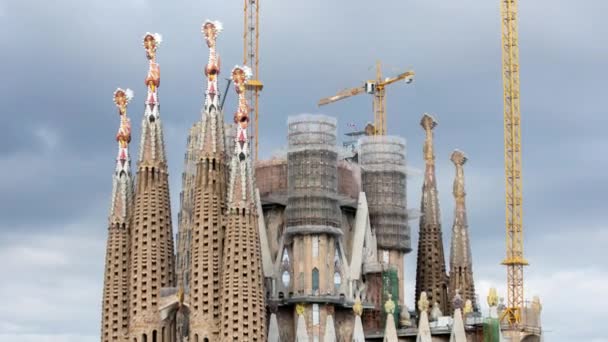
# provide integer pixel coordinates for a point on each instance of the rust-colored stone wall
(271, 176)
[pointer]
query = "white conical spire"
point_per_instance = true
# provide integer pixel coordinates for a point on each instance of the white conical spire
(458, 333)
(424, 330)
(301, 332)
(390, 332)
(273, 329)
(358, 335)
(330, 330)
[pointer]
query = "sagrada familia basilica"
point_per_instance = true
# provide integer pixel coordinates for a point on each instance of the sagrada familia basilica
(307, 246)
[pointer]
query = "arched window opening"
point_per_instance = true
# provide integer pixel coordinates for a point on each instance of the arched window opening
(286, 278)
(154, 337)
(315, 279)
(144, 338)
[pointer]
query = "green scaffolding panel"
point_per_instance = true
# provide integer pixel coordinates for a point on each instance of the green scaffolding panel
(491, 330)
(390, 284)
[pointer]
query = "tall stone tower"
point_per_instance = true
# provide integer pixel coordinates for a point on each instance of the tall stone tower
(243, 309)
(313, 219)
(430, 268)
(209, 204)
(383, 179)
(151, 239)
(461, 263)
(115, 310)
(186, 213)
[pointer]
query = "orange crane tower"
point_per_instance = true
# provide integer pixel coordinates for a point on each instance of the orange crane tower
(251, 58)
(376, 88)
(515, 260)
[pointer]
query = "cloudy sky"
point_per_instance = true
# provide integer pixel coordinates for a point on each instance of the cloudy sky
(60, 62)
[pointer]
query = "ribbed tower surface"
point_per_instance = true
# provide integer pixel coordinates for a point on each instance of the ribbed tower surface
(461, 263)
(243, 309)
(186, 212)
(115, 310)
(431, 276)
(151, 241)
(209, 205)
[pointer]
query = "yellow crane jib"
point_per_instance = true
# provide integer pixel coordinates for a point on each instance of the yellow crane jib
(377, 89)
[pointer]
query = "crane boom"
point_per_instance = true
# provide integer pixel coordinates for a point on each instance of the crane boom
(515, 260)
(341, 95)
(251, 58)
(376, 88)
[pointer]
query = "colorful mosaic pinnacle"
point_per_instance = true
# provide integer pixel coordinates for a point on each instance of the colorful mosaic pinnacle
(151, 43)
(211, 29)
(123, 137)
(240, 76)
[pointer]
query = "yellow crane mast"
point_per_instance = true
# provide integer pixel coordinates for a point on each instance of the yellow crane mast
(251, 58)
(515, 260)
(376, 88)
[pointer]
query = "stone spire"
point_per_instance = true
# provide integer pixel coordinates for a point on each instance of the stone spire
(151, 239)
(424, 328)
(209, 205)
(301, 331)
(358, 335)
(390, 331)
(115, 310)
(430, 269)
(461, 264)
(152, 146)
(243, 309)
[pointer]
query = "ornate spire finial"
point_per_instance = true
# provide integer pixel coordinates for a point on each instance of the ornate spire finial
(151, 42)
(123, 137)
(300, 309)
(211, 29)
(468, 307)
(492, 297)
(240, 166)
(389, 306)
(428, 123)
(459, 159)
(423, 302)
(457, 300)
(358, 306)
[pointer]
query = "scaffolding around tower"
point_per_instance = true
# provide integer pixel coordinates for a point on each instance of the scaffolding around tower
(383, 178)
(312, 205)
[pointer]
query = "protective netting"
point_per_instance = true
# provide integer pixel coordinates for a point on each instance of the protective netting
(390, 284)
(491, 330)
(383, 179)
(312, 173)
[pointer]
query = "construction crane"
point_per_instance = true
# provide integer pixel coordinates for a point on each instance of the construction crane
(515, 260)
(251, 58)
(376, 88)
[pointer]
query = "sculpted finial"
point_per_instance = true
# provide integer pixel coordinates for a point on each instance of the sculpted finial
(468, 307)
(428, 123)
(358, 306)
(389, 306)
(122, 99)
(240, 76)
(492, 297)
(151, 43)
(211, 29)
(459, 159)
(423, 302)
(300, 309)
